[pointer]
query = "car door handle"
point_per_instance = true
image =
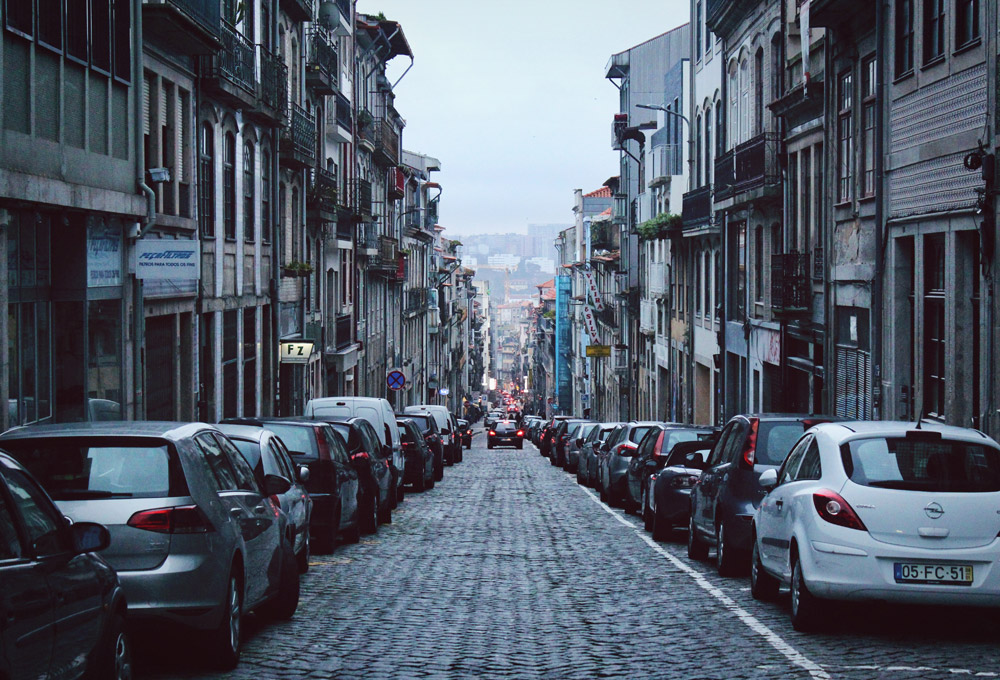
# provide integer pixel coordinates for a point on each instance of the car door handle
(778, 504)
(236, 512)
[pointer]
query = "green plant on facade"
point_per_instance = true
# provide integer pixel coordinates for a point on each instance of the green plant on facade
(659, 226)
(296, 268)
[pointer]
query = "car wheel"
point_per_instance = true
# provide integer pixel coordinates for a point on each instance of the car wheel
(438, 469)
(226, 640)
(385, 514)
(727, 559)
(697, 548)
(114, 658)
(370, 514)
(302, 559)
(806, 607)
(763, 586)
(283, 605)
(647, 514)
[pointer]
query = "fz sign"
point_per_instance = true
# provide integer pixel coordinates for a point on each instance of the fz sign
(296, 352)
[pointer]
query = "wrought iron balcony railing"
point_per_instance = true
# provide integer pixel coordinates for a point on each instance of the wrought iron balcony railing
(322, 64)
(322, 196)
(602, 235)
(790, 284)
(189, 26)
(360, 197)
(386, 141)
(725, 176)
(417, 300)
(273, 100)
(756, 162)
(298, 144)
(697, 207)
(232, 71)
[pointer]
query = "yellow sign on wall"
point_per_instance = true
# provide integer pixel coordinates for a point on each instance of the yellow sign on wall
(598, 350)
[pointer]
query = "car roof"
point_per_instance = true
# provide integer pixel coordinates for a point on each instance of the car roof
(899, 428)
(251, 432)
(111, 428)
(788, 416)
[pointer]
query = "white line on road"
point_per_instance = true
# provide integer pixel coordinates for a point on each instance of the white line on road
(775, 640)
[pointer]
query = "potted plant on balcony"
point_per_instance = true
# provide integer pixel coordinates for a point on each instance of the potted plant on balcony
(659, 226)
(295, 269)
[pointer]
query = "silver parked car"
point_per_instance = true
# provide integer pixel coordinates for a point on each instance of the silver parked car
(268, 455)
(195, 538)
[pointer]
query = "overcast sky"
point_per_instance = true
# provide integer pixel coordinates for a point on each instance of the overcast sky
(511, 98)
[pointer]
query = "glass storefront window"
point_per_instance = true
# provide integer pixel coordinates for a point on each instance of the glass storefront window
(104, 371)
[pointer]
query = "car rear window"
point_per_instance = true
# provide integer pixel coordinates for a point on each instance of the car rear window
(775, 440)
(423, 423)
(348, 434)
(674, 437)
(922, 465)
(299, 440)
(505, 427)
(638, 433)
(81, 470)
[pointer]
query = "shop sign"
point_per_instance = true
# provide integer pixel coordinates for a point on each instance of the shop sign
(595, 294)
(104, 253)
(296, 352)
(598, 350)
(590, 321)
(167, 260)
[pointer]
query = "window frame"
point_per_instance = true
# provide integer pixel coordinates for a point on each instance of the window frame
(869, 101)
(934, 33)
(249, 192)
(229, 186)
(904, 32)
(967, 16)
(206, 180)
(845, 135)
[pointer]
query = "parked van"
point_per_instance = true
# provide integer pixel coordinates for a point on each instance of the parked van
(447, 424)
(376, 411)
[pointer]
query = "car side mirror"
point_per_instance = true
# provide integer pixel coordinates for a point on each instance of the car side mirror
(275, 485)
(89, 537)
(303, 474)
(768, 479)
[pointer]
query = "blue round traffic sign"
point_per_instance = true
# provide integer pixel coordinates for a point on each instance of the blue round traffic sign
(395, 380)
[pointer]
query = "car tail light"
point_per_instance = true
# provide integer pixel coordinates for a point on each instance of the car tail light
(750, 446)
(324, 450)
(835, 510)
(684, 481)
(180, 519)
(360, 455)
(492, 433)
(520, 433)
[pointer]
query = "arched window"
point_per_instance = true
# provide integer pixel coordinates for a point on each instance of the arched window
(265, 196)
(697, 153)
(758, 92)
(734, 107)
(249, 224)
(229, 187)
(745, 114)
(720, 131)
(206, 181)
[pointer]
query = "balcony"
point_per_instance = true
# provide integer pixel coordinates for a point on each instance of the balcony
(322, 65)
(666, 161)
(298, 10)
(620, 209)
(365, 130)
(298, 140)
(345, 331)
(272, 99)
(360, 199)
(321, 201)
(657, 284)
(722, 16)
(231, 74)
(756, 163)
(386, 140)
(602, 235)
(190, 27)
(790, 284)
(368, 239)
(395, 185)
(339, 120)
(431, 215)
(413, 223)
(341, 19)
(724, 176)
(697, 207)
(417, 301)
(386, 258)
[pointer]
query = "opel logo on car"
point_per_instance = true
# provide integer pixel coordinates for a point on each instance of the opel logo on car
(934, 511)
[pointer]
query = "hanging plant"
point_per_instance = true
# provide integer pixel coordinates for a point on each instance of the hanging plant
(659, 226)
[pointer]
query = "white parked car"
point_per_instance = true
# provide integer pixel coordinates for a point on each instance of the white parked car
(880, 511)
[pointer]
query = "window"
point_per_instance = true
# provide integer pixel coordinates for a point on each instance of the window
(699, 286)
(122, 33)
(206, 182)
(100, 35)
(708, 145)
(966, 22)
(265, 196)
(758, 92)
(845, 129)
(697, 154)
(745, 115)
(868, 84)
(935, 346)
(230, 378)
(933, 30)
(758, 264)
(218, 463)
(904, 37)
(229, 187)
(810, 467)
(244, 473)
(697, 31)
(50, 23)
(249, 226)
(249, 361)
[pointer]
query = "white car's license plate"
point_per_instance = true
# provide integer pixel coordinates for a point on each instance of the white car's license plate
(947, 574)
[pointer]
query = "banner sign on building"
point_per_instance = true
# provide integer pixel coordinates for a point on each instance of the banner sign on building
(595, 294)
(104, 253)
(296, 352)
(590, 322)
(163, 259)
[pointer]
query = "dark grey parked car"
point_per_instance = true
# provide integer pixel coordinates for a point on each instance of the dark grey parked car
(670, 502)
(725, 499)
(267, 455)
(615, 461)
(586, 469)
(195, 539)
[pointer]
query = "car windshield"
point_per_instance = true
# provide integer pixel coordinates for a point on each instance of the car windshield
(922, 465)
(299, 439)
(75, 470)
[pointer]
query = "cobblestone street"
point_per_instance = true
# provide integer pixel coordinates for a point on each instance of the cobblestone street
(508, 568)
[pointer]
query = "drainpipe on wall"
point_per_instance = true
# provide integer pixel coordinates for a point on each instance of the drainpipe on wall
(138, 314)
(881, 233)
